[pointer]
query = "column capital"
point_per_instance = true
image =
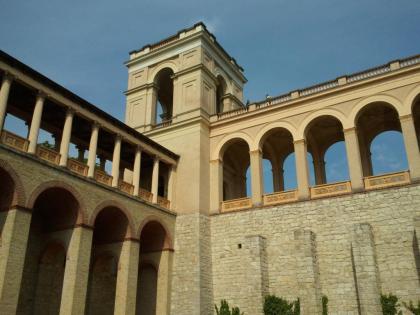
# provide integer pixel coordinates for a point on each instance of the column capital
(219, 160)
(351, 129)
(406, 117)
(299, 141)
(41, 95)
(8, 76)
(118, 137)
(96, 124)
(258, 151)
(70, 111)
(156, 158)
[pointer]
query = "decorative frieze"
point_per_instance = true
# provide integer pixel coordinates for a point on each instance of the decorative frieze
(280, 197)
(387, 180)
(236, 204)
(77, 167)
(103, 177)
(47, 154)
(163, 202)
(126, 187)
(328, 190)
(145, 195)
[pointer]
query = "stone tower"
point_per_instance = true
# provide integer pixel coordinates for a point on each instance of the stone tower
(174, 86)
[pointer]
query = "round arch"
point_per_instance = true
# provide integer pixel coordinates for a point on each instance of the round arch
(82, 216)
(265, 131)
(410, 100)
(154, 218)
(19, 196)
(169, 65)
(303, 126)
(219, 72)
(221, 146)
(114, 204)
(387, 99)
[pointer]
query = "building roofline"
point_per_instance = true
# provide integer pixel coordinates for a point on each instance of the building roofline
(176, 36)
(8, 59)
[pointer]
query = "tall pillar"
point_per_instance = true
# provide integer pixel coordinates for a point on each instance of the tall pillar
(136, 171)
(278, 180)
(365, 270)
(365, 155)
(319, 168)
(302, 172)
(256, 177)
(76, 274)
(4, 96)
(12, 252)
(36, 123)
(171, 184)
(93, 146)
(353, 159)
(151, 106)
(307, 272)
(126, 291)
(411, 145)
(65, 138)
(155, 179)
(116, 161)
(216, 185)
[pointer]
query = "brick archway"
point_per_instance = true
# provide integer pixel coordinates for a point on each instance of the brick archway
(153, 218)
(82, 214)
(19, 196)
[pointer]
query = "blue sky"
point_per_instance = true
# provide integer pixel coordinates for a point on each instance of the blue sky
(282, 45)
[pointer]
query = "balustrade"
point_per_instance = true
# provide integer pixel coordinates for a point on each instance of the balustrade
(102, 177)
(163, 202)
(77, 167)
(47, 154)
(387, 180)
(145, 195)
(126, 187)
(14, 141)
(280, 197)
(236, 204)
(329, 190)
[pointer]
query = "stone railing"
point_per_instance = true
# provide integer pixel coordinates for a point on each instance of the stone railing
(163, 124)
(164, 42)
(236, 204)
(47, 154)
(318, 88)
(280, 197)
(102, 177)
(163, 202)
(145, 194)
(77, 167)
(14, 141)
(368, 73)
(410, 61)
(329, 190)
(387, 180)
(126, 187)
(232, 113)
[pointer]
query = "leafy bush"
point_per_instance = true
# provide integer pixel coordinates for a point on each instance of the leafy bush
(324, 305)
(274, 305)
(225, 310)
(415, 310)
(390, 304)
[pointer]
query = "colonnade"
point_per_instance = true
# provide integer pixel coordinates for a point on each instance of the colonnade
(356, 146)
(63, 144)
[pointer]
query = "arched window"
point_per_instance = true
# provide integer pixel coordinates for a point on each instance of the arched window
(325, 140)
(235, 168)
(165, 94)
(381, 143)
(220, 92)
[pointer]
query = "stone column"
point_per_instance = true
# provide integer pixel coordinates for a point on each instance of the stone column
(365, 155)
(126, 291)
(155, 179)
(365, 270)
(256, 177)
(36, 123)
(65, 138)
(12, 252)
(277, 171)
(102, 162)
(151, 107)
(4, 96)
(164, 283)
(136, 171)
(216, 185)
(411, 146)
(319, 168)
(93, 146)
(353, 159)
(76, 274)
(307, 272)
(80, 153)
(116, 161)
(256, 273)
(302, 172)
(171, 184)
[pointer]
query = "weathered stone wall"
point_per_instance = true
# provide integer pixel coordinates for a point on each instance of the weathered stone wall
(349, 248)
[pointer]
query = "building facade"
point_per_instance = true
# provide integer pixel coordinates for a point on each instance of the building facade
(154, 216)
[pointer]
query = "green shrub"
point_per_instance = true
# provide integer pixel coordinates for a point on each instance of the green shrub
(324, 305)
(225, 310)
(274, 305)
(413, 309)
(390, 304)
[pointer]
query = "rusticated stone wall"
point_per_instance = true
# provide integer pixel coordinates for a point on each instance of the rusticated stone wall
(349, 248)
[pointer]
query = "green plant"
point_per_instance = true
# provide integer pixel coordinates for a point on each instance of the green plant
(225, 310)
(413, 309)
(324, 305)
(274, 305)
(47, 145)
(390, 305)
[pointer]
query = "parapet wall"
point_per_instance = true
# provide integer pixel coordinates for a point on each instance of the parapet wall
(349, 248)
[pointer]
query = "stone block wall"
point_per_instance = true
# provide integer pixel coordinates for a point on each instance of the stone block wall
(349, 248)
